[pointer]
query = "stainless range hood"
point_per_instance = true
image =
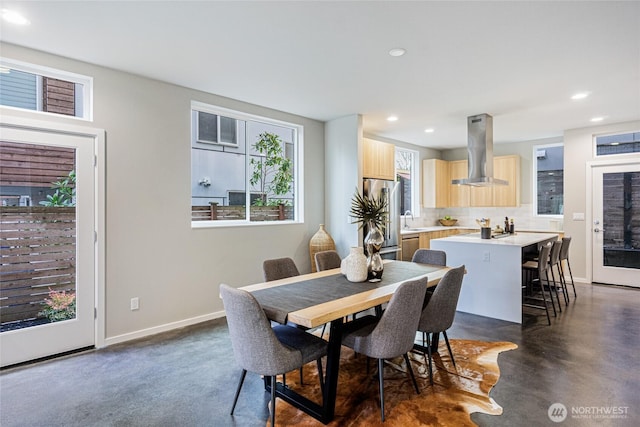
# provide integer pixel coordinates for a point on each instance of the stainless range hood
(480, 148)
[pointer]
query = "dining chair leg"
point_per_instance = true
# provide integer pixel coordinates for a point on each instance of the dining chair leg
(301, 379)
(323, 328)
(410, 369)
(446, 339)
(429, 359)
(381, 383)
(572, 283)
(273, 400)
(235, 399)
(320, 375)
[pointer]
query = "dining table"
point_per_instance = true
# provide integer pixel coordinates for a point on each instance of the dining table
(314, 299)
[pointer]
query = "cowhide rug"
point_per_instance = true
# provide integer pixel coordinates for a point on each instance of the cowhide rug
(457, 391)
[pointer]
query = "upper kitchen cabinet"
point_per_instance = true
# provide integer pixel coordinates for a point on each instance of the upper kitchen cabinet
(436, 182)
(507, 168)
(378, 160)
(458, 194)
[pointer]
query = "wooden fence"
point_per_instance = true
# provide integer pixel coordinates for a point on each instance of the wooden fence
(30, 165)
(37, 254)
(258, 213)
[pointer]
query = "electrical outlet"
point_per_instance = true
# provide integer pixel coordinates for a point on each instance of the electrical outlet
(486, 257)
(135, 303)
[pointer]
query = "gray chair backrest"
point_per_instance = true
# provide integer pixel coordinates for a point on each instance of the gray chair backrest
(554, 256)
(543, 261)
(326, 260)
(430, 256)
(396, 330)
(564, 251)
(255, 346)
(439, 313)
(279, 268)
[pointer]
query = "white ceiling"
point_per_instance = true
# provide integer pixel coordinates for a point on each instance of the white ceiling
(518, 61)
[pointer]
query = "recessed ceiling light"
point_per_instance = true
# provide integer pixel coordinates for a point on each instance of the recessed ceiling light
(597, 119)
(580, 95)
(397, 51)
(429, 130)
(14, 17)
(392, 118)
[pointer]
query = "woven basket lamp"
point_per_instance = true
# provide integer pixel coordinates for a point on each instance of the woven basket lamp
(321, 241)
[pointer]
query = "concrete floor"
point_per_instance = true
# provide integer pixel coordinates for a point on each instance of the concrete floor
(587, 360)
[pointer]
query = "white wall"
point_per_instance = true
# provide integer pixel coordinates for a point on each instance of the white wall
(151, 250)
(342, 175)
(578, 150)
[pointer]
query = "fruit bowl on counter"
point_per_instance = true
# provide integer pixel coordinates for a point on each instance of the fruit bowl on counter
(448, 221)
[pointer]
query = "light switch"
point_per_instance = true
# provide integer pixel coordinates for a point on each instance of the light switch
(578, 216)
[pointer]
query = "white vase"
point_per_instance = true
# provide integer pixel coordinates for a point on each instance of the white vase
(354, 266)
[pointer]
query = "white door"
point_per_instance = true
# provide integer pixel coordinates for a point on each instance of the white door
(615, 231)
(47, 252)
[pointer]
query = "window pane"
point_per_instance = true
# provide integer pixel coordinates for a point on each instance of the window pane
(248, 175)
(618, 144)
(18, 89)
(207, 128)
(550, 180)
(621, 211)
(404, 176)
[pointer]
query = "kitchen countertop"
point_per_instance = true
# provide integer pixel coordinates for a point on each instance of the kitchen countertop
(518, 239)
(416, 230)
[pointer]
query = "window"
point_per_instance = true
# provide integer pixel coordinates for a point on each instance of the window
(407, 176)
(244, 168)
(625, 143)
(549, 179)
(37, 88)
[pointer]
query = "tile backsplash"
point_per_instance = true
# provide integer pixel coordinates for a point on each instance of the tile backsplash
(523, 217)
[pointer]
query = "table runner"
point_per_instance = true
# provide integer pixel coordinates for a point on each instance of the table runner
(279, 301)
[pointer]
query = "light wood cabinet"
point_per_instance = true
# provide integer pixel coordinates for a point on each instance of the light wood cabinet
(507, 168)
(425, 237)
(504, 167)
(378, 160)
(458, 194)
(436, 182)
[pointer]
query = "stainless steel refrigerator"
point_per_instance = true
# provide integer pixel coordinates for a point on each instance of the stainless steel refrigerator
(390, 190)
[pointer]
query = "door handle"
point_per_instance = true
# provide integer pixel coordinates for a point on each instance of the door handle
(597, 230)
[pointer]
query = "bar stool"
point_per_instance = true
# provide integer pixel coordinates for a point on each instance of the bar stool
(554, 261)
(564, 256)
(542, 268)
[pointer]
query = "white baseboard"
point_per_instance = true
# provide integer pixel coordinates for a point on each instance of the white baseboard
(161, 328)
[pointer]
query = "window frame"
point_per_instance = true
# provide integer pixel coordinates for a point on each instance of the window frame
(534, 180)
(42, 71)
(612, 156)
(415, 180)
(298, 166)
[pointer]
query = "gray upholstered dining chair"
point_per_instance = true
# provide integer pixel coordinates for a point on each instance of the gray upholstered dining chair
(259, 348)
(430, 256)
(392, 334)
(440, 312)
(326, 260)
(279, 268)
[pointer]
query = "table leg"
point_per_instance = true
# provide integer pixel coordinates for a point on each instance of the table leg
(326, 412)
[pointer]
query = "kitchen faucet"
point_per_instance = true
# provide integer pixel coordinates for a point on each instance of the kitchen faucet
(405, 218)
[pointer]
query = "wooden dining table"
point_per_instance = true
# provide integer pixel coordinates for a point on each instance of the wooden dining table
(311, 300)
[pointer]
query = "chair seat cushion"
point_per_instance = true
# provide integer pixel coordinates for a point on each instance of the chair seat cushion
(310, 346)
(358, 328)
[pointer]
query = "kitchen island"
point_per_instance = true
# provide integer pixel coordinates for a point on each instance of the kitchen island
(492, 286)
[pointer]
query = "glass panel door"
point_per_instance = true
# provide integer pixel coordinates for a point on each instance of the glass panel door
(616, 225)
(47, 292)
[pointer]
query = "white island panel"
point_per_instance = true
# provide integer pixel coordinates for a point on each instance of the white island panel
(492, 286)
